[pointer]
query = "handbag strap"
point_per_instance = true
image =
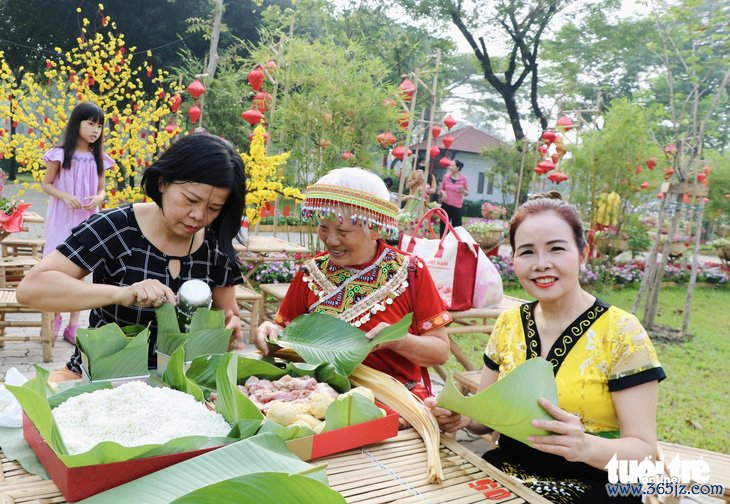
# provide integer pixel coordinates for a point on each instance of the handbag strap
(441, 214)
(412, 289)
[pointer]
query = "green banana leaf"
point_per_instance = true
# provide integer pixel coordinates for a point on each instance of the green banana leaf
(264, 487)
(231, 402)
(319, 338)
(509, 405)
(350, 410)
(285, 433)
(207, 333)
(174, 376)
(108, 353)
(264, 453)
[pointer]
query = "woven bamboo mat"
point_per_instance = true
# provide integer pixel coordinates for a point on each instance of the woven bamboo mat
(391, 471)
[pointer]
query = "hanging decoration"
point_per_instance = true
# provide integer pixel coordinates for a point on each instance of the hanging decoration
(549, 136)
(449, 121)
(175, 102)
(444, 162)
(196, 89)
(347, 155)
(256, 78)
(564, 124)
(400, 152)
(386, 139)
(407, 89)
(252, 116)
(194, 113)
(435, 130)
(434, 151)
(558, 177)
(448, 141)
(261, 101)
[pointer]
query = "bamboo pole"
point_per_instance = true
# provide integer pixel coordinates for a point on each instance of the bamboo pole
(695, 264)
(405, 164)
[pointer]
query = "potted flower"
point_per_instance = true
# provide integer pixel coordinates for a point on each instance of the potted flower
(487, 232)
(11, 211)
(492, 211)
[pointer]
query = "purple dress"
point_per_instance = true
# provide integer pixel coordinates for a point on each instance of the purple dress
(81, 180)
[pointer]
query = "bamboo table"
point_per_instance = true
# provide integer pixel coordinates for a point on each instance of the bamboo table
(260, 248)
(393, 470)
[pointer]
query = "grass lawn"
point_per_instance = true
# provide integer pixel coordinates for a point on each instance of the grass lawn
(694, 400)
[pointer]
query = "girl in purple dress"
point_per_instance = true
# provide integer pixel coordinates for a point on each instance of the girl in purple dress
(75, 182)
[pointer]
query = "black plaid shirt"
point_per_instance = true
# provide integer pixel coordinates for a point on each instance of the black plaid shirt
(111, 246)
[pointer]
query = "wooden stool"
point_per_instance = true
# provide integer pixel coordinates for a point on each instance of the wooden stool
(275, 291)
(14, 247)
(13, 269)
(9, 304)
(251, 304)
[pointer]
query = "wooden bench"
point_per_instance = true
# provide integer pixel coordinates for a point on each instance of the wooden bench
(9, 305)
(474, 320)
(13, 269)
(14, 247)
(250, 303)
(274, 294)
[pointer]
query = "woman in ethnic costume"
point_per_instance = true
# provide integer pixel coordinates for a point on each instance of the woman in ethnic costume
(606, 369)
(363, 281)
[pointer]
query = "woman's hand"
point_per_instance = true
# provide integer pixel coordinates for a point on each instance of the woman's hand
(267, 330)
(234, 322)
(146, 293)
(448, 420)
(71, 201)
(376, 330)
(568, 440)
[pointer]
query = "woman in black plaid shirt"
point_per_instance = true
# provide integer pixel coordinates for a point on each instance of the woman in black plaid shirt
(140, 254)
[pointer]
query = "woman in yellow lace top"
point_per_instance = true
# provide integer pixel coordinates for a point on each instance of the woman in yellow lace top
(606, 369)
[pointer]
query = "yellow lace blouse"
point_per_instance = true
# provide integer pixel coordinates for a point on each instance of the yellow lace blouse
(606, 349)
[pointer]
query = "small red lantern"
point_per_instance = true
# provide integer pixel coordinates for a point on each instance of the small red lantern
(660, 195)
(175, 102)
(651, 163)
(670, 150)
(539, 170)
(407, 89)
(702, 177)
(555, 157)
(252, 116)
(448, 141)
(449, 121)
(399, 152)
(404, 120)
(685, 199)
(287, 211)
(444, 162)
(542, 149)
(347, 155)
(549, 136)
(644, 185)
(668, 172)
(435, 130)
(558, 177)
(707, 170)
(271, 66)
(546, 165)
(564, 123)
(256, 78)
(171, 128)
(196, 89)
(261, 101)
(434, 151)
(194, 113)
(385, 140)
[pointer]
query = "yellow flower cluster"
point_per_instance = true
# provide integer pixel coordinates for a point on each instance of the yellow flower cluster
(100, 69)
(264, 181)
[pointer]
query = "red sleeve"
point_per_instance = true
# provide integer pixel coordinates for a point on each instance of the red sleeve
(429, 312)
(295, 302)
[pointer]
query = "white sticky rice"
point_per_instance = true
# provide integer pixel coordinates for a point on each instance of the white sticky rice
(134, 414)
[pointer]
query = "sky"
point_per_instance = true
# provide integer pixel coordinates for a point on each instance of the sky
(629, 8)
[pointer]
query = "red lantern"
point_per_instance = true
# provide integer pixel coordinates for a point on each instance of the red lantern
(287, 211)
(444, 162)
(399, 152)
(449, 121)
(539, 170)
(407, 89)
(175, 102)
(558, 177)
(347, 155)
(670, 150)
(542, 149)
(194, 113)
(404, 120)
(256, 78)
(685, 199)
(564, 124)
(385, 140)
(651, 163)
(266, 137)
(196, 89)
(644, 185)
(546, 165)
(435, 130)
(660, 195)
(549, 136)
(271, 66)
(171, 128)
(707, 170)
(702, 177)
(261, 101)
(668, 172)
(252, 116)
(555, 157)
(448, 141)
(434, 151)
